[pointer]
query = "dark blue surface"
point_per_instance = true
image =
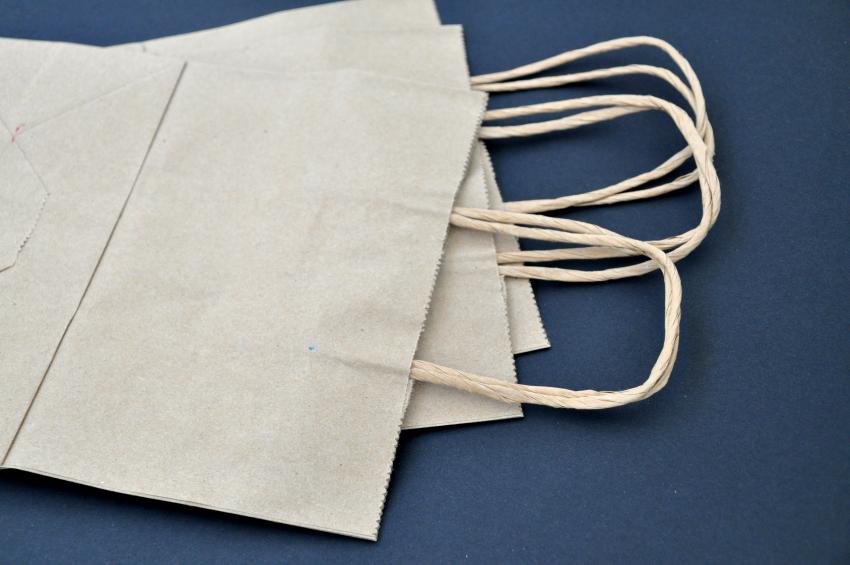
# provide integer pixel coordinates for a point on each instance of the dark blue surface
(744, 457)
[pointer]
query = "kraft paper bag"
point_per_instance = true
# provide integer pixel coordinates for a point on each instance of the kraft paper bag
(526, 328)
(76, 125)
(467, 326)
(244, 340)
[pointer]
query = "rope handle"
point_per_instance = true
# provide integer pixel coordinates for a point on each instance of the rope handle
(567, 231)
(496, 82)
(620, 104)
(688, 240)
(601, 241)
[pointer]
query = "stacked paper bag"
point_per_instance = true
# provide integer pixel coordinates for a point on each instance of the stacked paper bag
(224, 254)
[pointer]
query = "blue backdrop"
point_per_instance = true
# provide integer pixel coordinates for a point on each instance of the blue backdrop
(744, 457)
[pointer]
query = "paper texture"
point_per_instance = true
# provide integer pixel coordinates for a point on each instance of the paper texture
(468, 326)
(76, 124)
(245, 342)
(22, 198)
(526, 329)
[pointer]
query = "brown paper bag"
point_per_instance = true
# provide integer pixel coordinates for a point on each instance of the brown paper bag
(527, 332)
(245, 339)
(77, 124)
(467, 326)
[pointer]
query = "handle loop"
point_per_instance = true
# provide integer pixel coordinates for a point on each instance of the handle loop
(615, 193)
(577, 233)
(680, 245)
(600, 241)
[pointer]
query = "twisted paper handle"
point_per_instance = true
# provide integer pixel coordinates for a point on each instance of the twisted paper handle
(577, 233)
(601, 243)
(615, 193)
(709, 184)
(694, 96)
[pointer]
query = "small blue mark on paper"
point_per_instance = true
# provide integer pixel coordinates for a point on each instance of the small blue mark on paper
(311, 348)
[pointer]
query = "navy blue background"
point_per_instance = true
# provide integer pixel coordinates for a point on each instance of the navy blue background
(745, 456)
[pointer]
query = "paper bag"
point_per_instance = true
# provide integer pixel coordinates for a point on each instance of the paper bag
(527, 332)
(245, 341)
(77, 124)
(467, 325)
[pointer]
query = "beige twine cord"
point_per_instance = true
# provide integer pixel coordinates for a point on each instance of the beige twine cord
(679, 246)
(615, 193)
(573, 232)
(609, 195)
(599, 242)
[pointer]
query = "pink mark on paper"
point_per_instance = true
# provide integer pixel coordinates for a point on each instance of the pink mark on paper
(18, 130)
